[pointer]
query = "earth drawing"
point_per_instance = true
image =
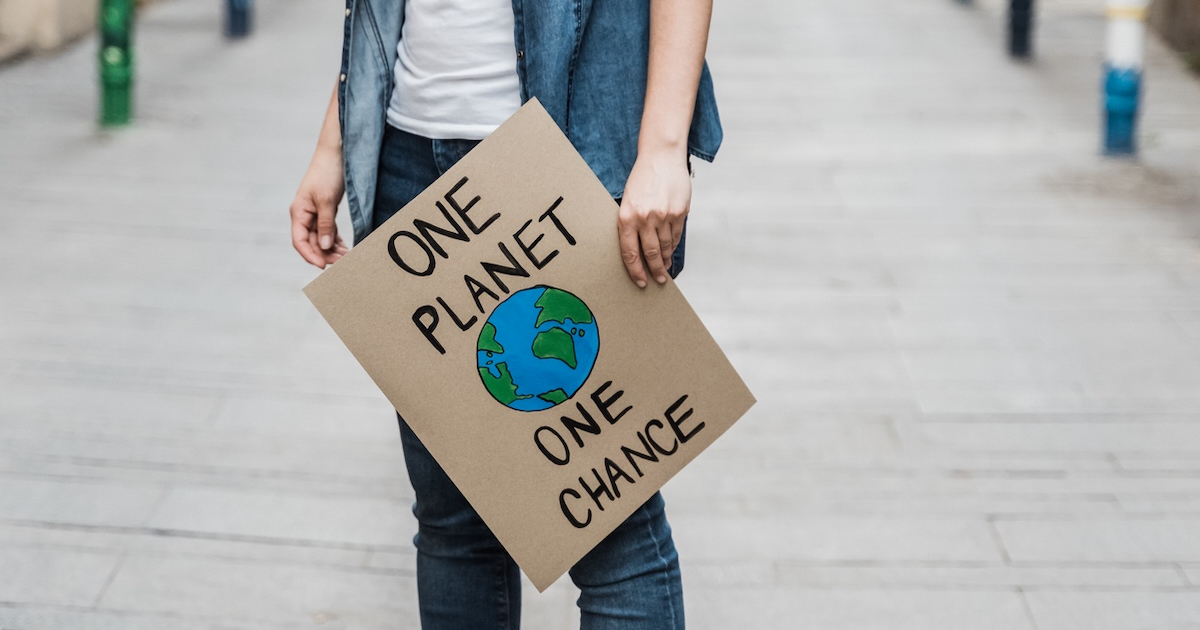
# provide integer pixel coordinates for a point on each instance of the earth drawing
(537, 348)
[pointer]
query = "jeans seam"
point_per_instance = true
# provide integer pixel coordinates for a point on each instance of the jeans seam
(505, 604)
(666, 568)
(500, 597)
(435, 148)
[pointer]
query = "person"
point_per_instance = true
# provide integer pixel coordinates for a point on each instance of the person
(422, 81)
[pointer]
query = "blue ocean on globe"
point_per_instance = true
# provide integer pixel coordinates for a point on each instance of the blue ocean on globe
(537, 348)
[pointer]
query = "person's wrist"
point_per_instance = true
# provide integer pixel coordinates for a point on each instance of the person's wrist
(327, 151)
(327, 162)
(662, 143)
(663, 149)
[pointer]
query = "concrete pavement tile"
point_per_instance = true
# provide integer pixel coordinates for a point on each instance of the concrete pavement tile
(949, 578)
(975, 325)
(249, 591)
(731, 573)
(150, 542)
(84, 406)
(365, 419)
(757, 280)
(360, 521)
(22, 617)
(1144, 539)
(1189, 320)
(1151, 463)
(88, 503)
(1163, 437)
(220, 456)
(1067, 302)
(53, 576)
(821, 400)
(865, 371)
(727, 488)
(553, 609)
(774, 503)
(1047, 397)
(1118, 488)
(773, 434)
(728, 296)
(804, 245)
(966, 365)
(787, 608)
(97, 470)
(800, 331)
(1131, 280)
(1159, 503)
(392, 559)
(814, 538)
(1114, 611)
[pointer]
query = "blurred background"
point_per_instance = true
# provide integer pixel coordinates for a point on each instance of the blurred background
(973, 333)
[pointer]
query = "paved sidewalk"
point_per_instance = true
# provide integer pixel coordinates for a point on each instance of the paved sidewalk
(975, 342)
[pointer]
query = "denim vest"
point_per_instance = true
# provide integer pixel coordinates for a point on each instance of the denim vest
(585, 60)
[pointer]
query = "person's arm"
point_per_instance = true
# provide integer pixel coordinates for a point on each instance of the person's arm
(658, 193)
(314, 231)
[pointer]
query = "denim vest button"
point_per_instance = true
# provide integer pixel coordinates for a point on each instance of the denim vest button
(343, 79)
(520, 54)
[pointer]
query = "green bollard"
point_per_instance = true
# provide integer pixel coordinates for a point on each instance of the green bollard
(116, 62)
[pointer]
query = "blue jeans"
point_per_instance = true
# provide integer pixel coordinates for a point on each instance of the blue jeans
(465, 579)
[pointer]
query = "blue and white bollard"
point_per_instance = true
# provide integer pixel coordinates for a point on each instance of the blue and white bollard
(1124, 58)
(239, 18)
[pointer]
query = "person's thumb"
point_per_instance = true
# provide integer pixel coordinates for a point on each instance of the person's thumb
(326, 225)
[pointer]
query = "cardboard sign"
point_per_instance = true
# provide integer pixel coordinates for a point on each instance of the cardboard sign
(495, 314)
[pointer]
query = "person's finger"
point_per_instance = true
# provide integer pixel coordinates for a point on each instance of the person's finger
(676, 239)
(300, 238)
(326, 226)
(652, 251)
(339, 249)
(631, 253)
(677, 230)
(312, 242)
(339, 246)
(666, 243)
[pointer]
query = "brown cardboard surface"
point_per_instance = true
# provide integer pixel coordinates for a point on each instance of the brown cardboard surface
(658, 375)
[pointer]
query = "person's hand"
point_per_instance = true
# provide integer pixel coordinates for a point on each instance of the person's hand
(314, 231)
(657, 198)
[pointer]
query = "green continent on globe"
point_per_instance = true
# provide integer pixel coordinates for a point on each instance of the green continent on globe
(554, 396)
(502, 389)
(559, 306)
(555, 343)
(487, 339)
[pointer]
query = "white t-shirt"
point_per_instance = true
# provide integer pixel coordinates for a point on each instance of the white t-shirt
(456, 69)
